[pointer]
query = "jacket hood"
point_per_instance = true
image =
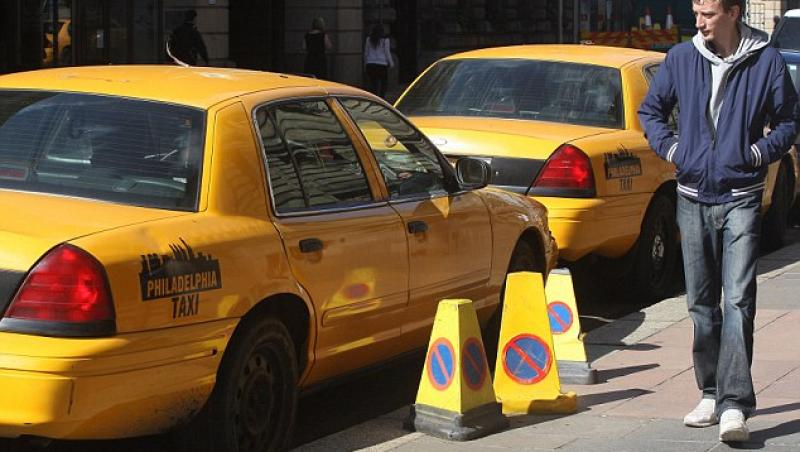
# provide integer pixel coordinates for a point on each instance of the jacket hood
(751, 41)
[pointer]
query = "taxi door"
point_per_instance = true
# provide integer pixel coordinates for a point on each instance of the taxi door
(347, 250)
(449, 234)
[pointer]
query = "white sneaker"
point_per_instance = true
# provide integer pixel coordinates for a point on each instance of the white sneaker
(732, 426)
(702, 415)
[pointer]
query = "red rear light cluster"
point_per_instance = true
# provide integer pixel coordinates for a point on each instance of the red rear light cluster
(568, 172)
(66, 293)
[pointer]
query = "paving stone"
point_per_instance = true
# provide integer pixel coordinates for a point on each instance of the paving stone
(669, 310)
(776, 378)
(583, 424)
(672, 399)
(777, 410)
(626, 445)
(765, 316)
(772, 340)
(646, 353)
(597, 351)
(676, 335)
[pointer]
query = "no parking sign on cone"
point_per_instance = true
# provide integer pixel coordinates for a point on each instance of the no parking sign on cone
(455, 399)
(526, 374)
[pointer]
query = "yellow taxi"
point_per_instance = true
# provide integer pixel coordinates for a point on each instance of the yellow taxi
(64, 44)
(559, 123)
(196, 245)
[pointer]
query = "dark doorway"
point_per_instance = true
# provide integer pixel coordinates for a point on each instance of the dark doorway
(256, 34)
(405, 31)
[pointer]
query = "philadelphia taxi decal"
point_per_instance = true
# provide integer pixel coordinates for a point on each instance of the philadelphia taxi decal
(622, 165)
(180, 277)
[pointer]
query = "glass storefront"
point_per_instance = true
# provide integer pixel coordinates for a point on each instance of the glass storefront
(50, 33)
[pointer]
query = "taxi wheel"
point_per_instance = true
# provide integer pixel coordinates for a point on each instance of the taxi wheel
(657, 260)
(253, 405)
(773, 230)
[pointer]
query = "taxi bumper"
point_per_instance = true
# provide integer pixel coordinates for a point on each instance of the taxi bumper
(128, 385)
(604, 226)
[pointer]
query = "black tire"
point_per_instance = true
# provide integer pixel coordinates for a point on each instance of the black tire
(254, 402)
(657, 260)
(523, 258)
(774, 224)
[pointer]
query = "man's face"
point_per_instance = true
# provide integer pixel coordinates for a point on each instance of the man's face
(713, 22)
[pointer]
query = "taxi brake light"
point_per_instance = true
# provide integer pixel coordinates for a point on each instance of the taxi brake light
(64, 291)
(567, 172)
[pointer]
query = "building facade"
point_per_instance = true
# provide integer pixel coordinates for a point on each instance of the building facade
(269, 34)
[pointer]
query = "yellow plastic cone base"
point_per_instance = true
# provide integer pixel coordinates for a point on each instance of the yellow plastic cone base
(526, 374)
(456, 399)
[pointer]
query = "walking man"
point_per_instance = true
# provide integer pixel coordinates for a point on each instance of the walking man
(729, 85)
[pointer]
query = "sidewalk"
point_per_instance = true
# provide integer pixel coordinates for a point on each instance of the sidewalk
(646, 386)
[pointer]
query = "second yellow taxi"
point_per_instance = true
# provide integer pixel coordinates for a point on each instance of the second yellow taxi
(559, 123)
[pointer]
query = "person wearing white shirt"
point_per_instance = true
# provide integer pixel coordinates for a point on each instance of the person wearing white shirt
(377, 60)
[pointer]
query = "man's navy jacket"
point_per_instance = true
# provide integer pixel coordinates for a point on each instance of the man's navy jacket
(719, 167)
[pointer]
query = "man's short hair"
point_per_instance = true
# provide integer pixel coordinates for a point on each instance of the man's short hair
(189, 15)
(727, 5)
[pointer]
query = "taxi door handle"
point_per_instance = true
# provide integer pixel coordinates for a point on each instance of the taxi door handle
(310, 245)
(416, 227)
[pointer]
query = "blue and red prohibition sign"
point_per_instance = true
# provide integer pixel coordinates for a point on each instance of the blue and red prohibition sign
(527, 359)
(561, 317)
(441, 365)
(473, 364)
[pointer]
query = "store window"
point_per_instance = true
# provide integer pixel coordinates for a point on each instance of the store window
(57, 33)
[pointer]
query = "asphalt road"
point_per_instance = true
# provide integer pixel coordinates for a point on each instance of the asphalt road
(359, 399)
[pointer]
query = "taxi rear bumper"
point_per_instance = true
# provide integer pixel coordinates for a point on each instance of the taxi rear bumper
(605, 226)
(129, 385)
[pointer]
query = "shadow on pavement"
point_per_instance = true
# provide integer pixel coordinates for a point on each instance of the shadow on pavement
(587, 401)
(355, 401)
(759, 438)
(604, 376)
(779, 409)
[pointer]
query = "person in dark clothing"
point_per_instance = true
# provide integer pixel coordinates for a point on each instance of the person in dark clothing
(186, 43)
(729, 83)
(316, 44)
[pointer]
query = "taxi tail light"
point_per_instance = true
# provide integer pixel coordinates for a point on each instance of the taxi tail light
(568, 173)
(65, 294)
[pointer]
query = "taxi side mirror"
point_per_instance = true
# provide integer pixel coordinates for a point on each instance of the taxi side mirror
(472, 173)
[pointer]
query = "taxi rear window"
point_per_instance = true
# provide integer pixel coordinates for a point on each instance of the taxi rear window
(567, 93)
(101, 147)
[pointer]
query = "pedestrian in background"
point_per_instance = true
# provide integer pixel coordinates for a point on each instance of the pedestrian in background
(377, 60)
(186, 43)
(316, 44)
(728, 83)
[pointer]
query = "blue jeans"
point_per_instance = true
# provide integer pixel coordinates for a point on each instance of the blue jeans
(720, 249)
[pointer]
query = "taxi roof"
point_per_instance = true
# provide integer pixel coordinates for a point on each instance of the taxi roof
(615, 57)
(194, 86)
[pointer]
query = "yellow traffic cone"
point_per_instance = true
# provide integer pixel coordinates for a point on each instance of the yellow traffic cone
(455, 399)
(526, 374)
(573, 367)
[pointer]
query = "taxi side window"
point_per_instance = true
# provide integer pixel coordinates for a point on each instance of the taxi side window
(650, 74)
(312, 163)
(409, 163)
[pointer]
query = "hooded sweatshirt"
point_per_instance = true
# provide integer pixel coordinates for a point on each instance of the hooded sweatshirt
(757, 91)
(750, 41)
